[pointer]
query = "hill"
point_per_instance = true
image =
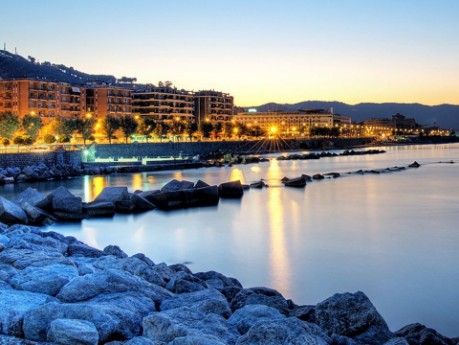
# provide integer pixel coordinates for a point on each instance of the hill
(14, 66)
(444, 115)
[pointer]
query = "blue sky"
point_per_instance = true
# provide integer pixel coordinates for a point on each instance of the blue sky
(259, 51)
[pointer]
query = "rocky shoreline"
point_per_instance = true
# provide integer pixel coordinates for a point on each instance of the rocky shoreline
(55, 289)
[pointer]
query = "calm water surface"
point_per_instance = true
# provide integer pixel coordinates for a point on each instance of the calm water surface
(394, 236)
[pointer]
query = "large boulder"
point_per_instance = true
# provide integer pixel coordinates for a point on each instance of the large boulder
(60, 193)
(67, 208)
(73, 332)
(231, 189)
(260, 295)
(32, 197)
(37, 216)
(149, 195)
(10, 213)
(115, 316)
(168, 200)
(417, 334)
(175, 185)
(243, 319)
(46, 279)
(99, 209)
(354, 316)
(217, 280)
(39, 242)
(141, 204)
(182, 282)
(22, 258)
(110, 281)
(119, 196)
(205, 196)
(208, 301)
(79, 248)
(13, 306)
(187, 321)
(287, 331)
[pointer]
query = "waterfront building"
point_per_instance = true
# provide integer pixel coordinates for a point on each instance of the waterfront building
(291, 123)
(42, 98)
(213, 106)
(164, 103)
(108, 100)
(387, 126)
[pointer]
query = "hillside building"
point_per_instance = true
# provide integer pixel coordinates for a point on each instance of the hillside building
(108, 100)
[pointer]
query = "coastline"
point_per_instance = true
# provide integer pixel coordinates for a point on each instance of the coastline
(56, 288)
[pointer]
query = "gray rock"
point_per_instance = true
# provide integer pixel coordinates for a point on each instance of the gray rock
(397, 341)
(7, 340)
(10, 213)
(80, 248)
(201, 184)
(354, 316)
(231, 189)
(38, 216)
(288, 331)
(175, 185)
(180, 267)
(22, 258)
(243, 319)
(217, 280)
(149, 195)
(143, 341)
(113, 194)
(14, 305)
(141, 204)
(32, 197)
(142, 257)
(183, 282)
(115, 251)
(110, 281)
(417, 334)
(205, 196)
(194, 340)
(73, 332)
(130, 265)
(67, 208)
(38, 242)
(187, 321)
(115, 316)
(208, 301)
(5, 240)
(46, 279)
(260, 295)
(99, 209)
(60, 193)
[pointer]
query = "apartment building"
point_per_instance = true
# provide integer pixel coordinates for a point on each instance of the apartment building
(42, 98)
(213, 106)
(105, 100)
(164, 103)
(291, 122)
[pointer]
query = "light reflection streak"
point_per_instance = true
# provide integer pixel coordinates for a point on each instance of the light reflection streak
(279, 262)
(237, 174)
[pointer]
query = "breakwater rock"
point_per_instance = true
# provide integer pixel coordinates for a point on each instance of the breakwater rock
(56, 289)
(323, 154)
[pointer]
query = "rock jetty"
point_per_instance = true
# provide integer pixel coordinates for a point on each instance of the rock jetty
(55, 289)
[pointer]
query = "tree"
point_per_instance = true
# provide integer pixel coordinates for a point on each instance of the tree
(257, 131)
(191, 129)
(218, 129)
(85, 127)
(18, 141)
(9, 124)
(177, 128)
(6, 142)
(206, 129)
(49, 139)
(146, 127)
(31, 125)
(110, 125)
(228, 129)
(161, 129)
(128, 125)
(65, 125)
(64, 138)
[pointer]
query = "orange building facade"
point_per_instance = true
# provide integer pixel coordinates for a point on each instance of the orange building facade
(102, 101)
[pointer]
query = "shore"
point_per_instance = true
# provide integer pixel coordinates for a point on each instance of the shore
(57, 289)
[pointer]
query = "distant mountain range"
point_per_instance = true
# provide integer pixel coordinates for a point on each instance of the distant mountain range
(13, 66)
(444, 115)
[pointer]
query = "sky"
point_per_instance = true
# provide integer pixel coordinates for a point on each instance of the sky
(257, 50)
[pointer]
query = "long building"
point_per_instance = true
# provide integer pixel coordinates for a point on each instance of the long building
(108, 100)
(287, 123)
(164, 103)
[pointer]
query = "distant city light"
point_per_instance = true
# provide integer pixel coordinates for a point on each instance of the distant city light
(252, 110)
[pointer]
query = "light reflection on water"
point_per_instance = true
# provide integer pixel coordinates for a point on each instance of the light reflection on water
(393, 236)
